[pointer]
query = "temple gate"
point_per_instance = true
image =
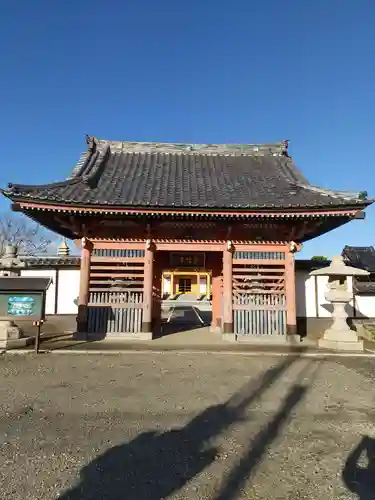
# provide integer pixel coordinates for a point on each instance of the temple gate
(245, 207)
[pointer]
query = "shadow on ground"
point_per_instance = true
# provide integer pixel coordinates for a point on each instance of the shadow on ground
(154, 465)
(359, 470)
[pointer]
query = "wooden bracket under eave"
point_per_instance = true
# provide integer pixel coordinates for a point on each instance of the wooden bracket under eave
(16, 207)
(79, 243)
(360, 215)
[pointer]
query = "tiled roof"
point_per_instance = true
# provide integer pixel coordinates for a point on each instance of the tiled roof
(310, 264)
(365, 287)
(362, 257)
(22, 283)
(154, 175)
(51, 261)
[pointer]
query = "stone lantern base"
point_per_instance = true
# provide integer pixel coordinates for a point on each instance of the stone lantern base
(341, 346)
(344, 339)
(11, 335)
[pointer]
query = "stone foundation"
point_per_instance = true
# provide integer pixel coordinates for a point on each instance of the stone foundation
(11, 336)
(337, 345)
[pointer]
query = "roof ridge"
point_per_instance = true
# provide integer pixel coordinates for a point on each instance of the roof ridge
(350, 247)
(273, 148)
(291, 172)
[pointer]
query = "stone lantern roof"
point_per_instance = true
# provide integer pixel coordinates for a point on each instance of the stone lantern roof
(339, 268)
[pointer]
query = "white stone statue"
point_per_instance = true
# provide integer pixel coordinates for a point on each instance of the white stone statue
(339, 336)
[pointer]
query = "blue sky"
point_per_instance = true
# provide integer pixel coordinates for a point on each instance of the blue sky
(198, 71)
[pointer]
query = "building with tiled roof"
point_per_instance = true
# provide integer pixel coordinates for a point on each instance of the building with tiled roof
(363, 258)
(164, 219)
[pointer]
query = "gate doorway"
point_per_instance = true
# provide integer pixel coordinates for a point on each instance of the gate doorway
(185, 314)
(186, 290)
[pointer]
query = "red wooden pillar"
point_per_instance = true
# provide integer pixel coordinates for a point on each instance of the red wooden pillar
(147, 289)
(216, 264)
(228, 290)
(156, 293)
(84, 285)
(290, 293)
(216, 301)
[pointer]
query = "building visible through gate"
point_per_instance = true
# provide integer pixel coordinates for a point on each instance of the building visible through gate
(155, 222)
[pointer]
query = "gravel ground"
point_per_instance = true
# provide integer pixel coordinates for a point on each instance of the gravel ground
(182, 426)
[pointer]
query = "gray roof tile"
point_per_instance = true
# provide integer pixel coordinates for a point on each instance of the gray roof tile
(362, 257)
(124, 174)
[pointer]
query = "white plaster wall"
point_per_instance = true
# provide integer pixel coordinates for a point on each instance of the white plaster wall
(50, 295)
(68, 290)
(305, 295)
(310, 291)
(351, 303)
(365, 305)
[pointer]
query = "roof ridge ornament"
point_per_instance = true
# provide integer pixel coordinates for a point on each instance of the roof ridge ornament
(91, 143)
(94, 169)
(285, 147)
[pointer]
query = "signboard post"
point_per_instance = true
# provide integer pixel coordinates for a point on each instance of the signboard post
(22, 304)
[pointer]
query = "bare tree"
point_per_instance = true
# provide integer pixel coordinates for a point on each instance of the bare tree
(30, 237)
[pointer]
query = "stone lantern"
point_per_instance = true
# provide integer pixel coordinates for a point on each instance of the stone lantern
(339, 336)
(10, 263)
(10, 266)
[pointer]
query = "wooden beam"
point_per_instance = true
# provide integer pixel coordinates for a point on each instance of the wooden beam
(56, 298)
(118, 245)
(84, 288)
(153, 212)
(147, 290)
(117, 260)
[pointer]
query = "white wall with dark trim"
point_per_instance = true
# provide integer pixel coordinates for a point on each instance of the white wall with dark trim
(62, 294)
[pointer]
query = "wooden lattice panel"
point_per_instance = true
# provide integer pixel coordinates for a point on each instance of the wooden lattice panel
(259, 303)
(116, 291)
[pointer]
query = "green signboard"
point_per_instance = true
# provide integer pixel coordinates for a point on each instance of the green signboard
(21, 306)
